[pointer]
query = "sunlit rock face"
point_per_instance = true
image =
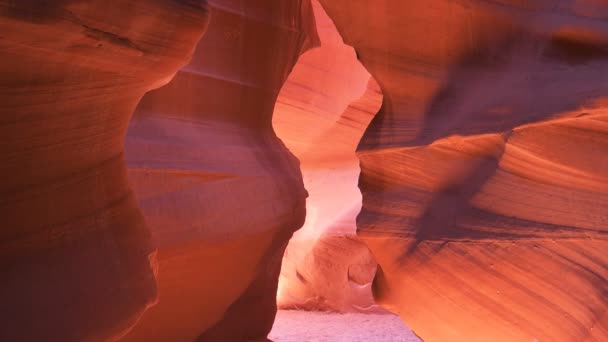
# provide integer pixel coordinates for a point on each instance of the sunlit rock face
(77, 261)
(484, 176)
(321, 114)
(220, 192)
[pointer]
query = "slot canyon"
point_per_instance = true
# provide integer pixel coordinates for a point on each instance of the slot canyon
(304, 170)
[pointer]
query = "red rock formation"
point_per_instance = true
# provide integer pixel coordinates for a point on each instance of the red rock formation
(76, 255)
(325, 266)
(220, 192)
(483, 175)
(484, 188)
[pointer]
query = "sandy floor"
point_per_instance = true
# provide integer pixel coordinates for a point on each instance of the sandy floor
(306, 326)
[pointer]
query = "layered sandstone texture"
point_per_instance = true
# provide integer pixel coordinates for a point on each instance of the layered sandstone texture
(484, 177)
(77, 262)
(321, 114)
(220, 192)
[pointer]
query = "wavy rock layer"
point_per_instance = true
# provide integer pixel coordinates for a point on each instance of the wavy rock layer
(321, 114)
(77, 261)
(483, 181)
(220, 192)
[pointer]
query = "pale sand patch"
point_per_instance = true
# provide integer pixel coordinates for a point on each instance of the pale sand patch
(309, 326)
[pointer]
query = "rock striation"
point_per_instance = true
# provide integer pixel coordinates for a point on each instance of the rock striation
(220, 192)
(77, 259)
(483, 175)
(321, 114)
(484, 188)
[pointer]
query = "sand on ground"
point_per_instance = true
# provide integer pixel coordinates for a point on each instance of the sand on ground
(310, 326)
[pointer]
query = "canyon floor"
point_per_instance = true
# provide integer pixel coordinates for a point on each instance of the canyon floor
(310, 326)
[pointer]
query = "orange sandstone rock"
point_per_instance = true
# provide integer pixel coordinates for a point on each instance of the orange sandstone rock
(220, 192)
(77, 260)
(484, 190)
(321, 114)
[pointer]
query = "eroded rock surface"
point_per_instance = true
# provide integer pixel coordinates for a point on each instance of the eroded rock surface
(77, 260)
(220, 192)
(321, 114)
(484, 176)
(483, 181)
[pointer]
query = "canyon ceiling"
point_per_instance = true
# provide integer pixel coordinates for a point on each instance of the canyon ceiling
(446, 159)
